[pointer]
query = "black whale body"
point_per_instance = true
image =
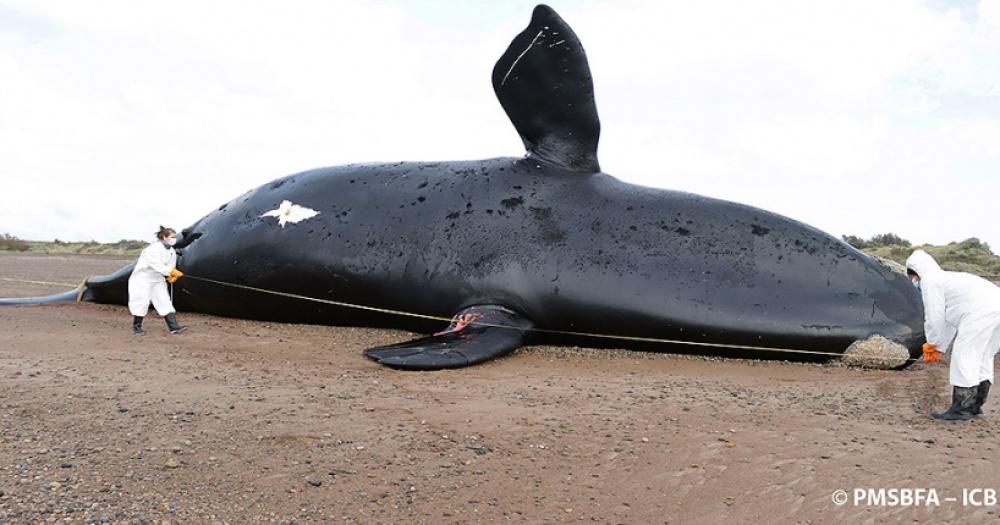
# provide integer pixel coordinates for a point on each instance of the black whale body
(547, 240)
(567, 251)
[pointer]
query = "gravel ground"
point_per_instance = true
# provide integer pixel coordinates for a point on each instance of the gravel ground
(246, 422)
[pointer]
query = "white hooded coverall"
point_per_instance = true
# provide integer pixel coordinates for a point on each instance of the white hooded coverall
(147, 282)
(963, 307)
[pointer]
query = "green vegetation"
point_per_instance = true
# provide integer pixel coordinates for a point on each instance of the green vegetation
(12, 244)
(124, 247)
(970, 255)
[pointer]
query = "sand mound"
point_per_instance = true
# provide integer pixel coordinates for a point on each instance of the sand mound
(876, 352)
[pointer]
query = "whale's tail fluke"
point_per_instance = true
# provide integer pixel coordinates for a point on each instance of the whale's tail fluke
(107, 289)
(64, 297)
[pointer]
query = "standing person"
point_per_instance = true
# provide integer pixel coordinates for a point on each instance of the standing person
(966, 308)
(156, 266)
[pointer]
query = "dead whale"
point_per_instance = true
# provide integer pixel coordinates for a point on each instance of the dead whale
(532, 248)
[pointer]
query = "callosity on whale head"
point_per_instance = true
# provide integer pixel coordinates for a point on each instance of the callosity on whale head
(543, 247)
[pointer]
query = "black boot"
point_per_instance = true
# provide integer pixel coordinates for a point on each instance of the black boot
(981, 394)
(962, 400)
(137, 325)
(172, 324)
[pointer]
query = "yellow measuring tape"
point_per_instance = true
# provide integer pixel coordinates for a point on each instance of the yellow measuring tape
(538, 330)
(46, 283)
(79, 295)
(476, 323)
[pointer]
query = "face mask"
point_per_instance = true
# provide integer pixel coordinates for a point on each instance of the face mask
(916, 284)
(170, 241)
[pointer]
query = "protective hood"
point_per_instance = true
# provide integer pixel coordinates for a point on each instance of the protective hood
(922, 263)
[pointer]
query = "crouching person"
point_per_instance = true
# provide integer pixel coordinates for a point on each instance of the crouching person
(965, 308)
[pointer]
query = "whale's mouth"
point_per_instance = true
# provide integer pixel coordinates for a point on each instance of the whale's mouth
(876, 352)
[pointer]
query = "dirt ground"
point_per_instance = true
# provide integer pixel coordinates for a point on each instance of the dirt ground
(244, 422)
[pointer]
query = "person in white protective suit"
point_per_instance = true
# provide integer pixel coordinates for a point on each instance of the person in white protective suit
(148, 283)
(965, 308)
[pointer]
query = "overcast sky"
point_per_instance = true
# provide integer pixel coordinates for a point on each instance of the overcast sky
(857, 117)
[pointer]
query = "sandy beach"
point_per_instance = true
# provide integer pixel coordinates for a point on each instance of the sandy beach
(239, 421)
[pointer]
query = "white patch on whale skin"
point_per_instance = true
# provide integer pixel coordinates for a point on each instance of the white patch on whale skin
(293, 213)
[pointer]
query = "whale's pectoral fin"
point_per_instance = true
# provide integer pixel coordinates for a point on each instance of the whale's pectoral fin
(543, 83)
(476, 334)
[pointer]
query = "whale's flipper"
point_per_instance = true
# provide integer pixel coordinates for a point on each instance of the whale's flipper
(544, 84)
(466, 342)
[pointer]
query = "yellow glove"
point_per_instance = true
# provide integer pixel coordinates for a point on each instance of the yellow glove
(931, 354)
(174, 275)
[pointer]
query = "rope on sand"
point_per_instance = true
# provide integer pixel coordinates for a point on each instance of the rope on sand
(46, 283)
